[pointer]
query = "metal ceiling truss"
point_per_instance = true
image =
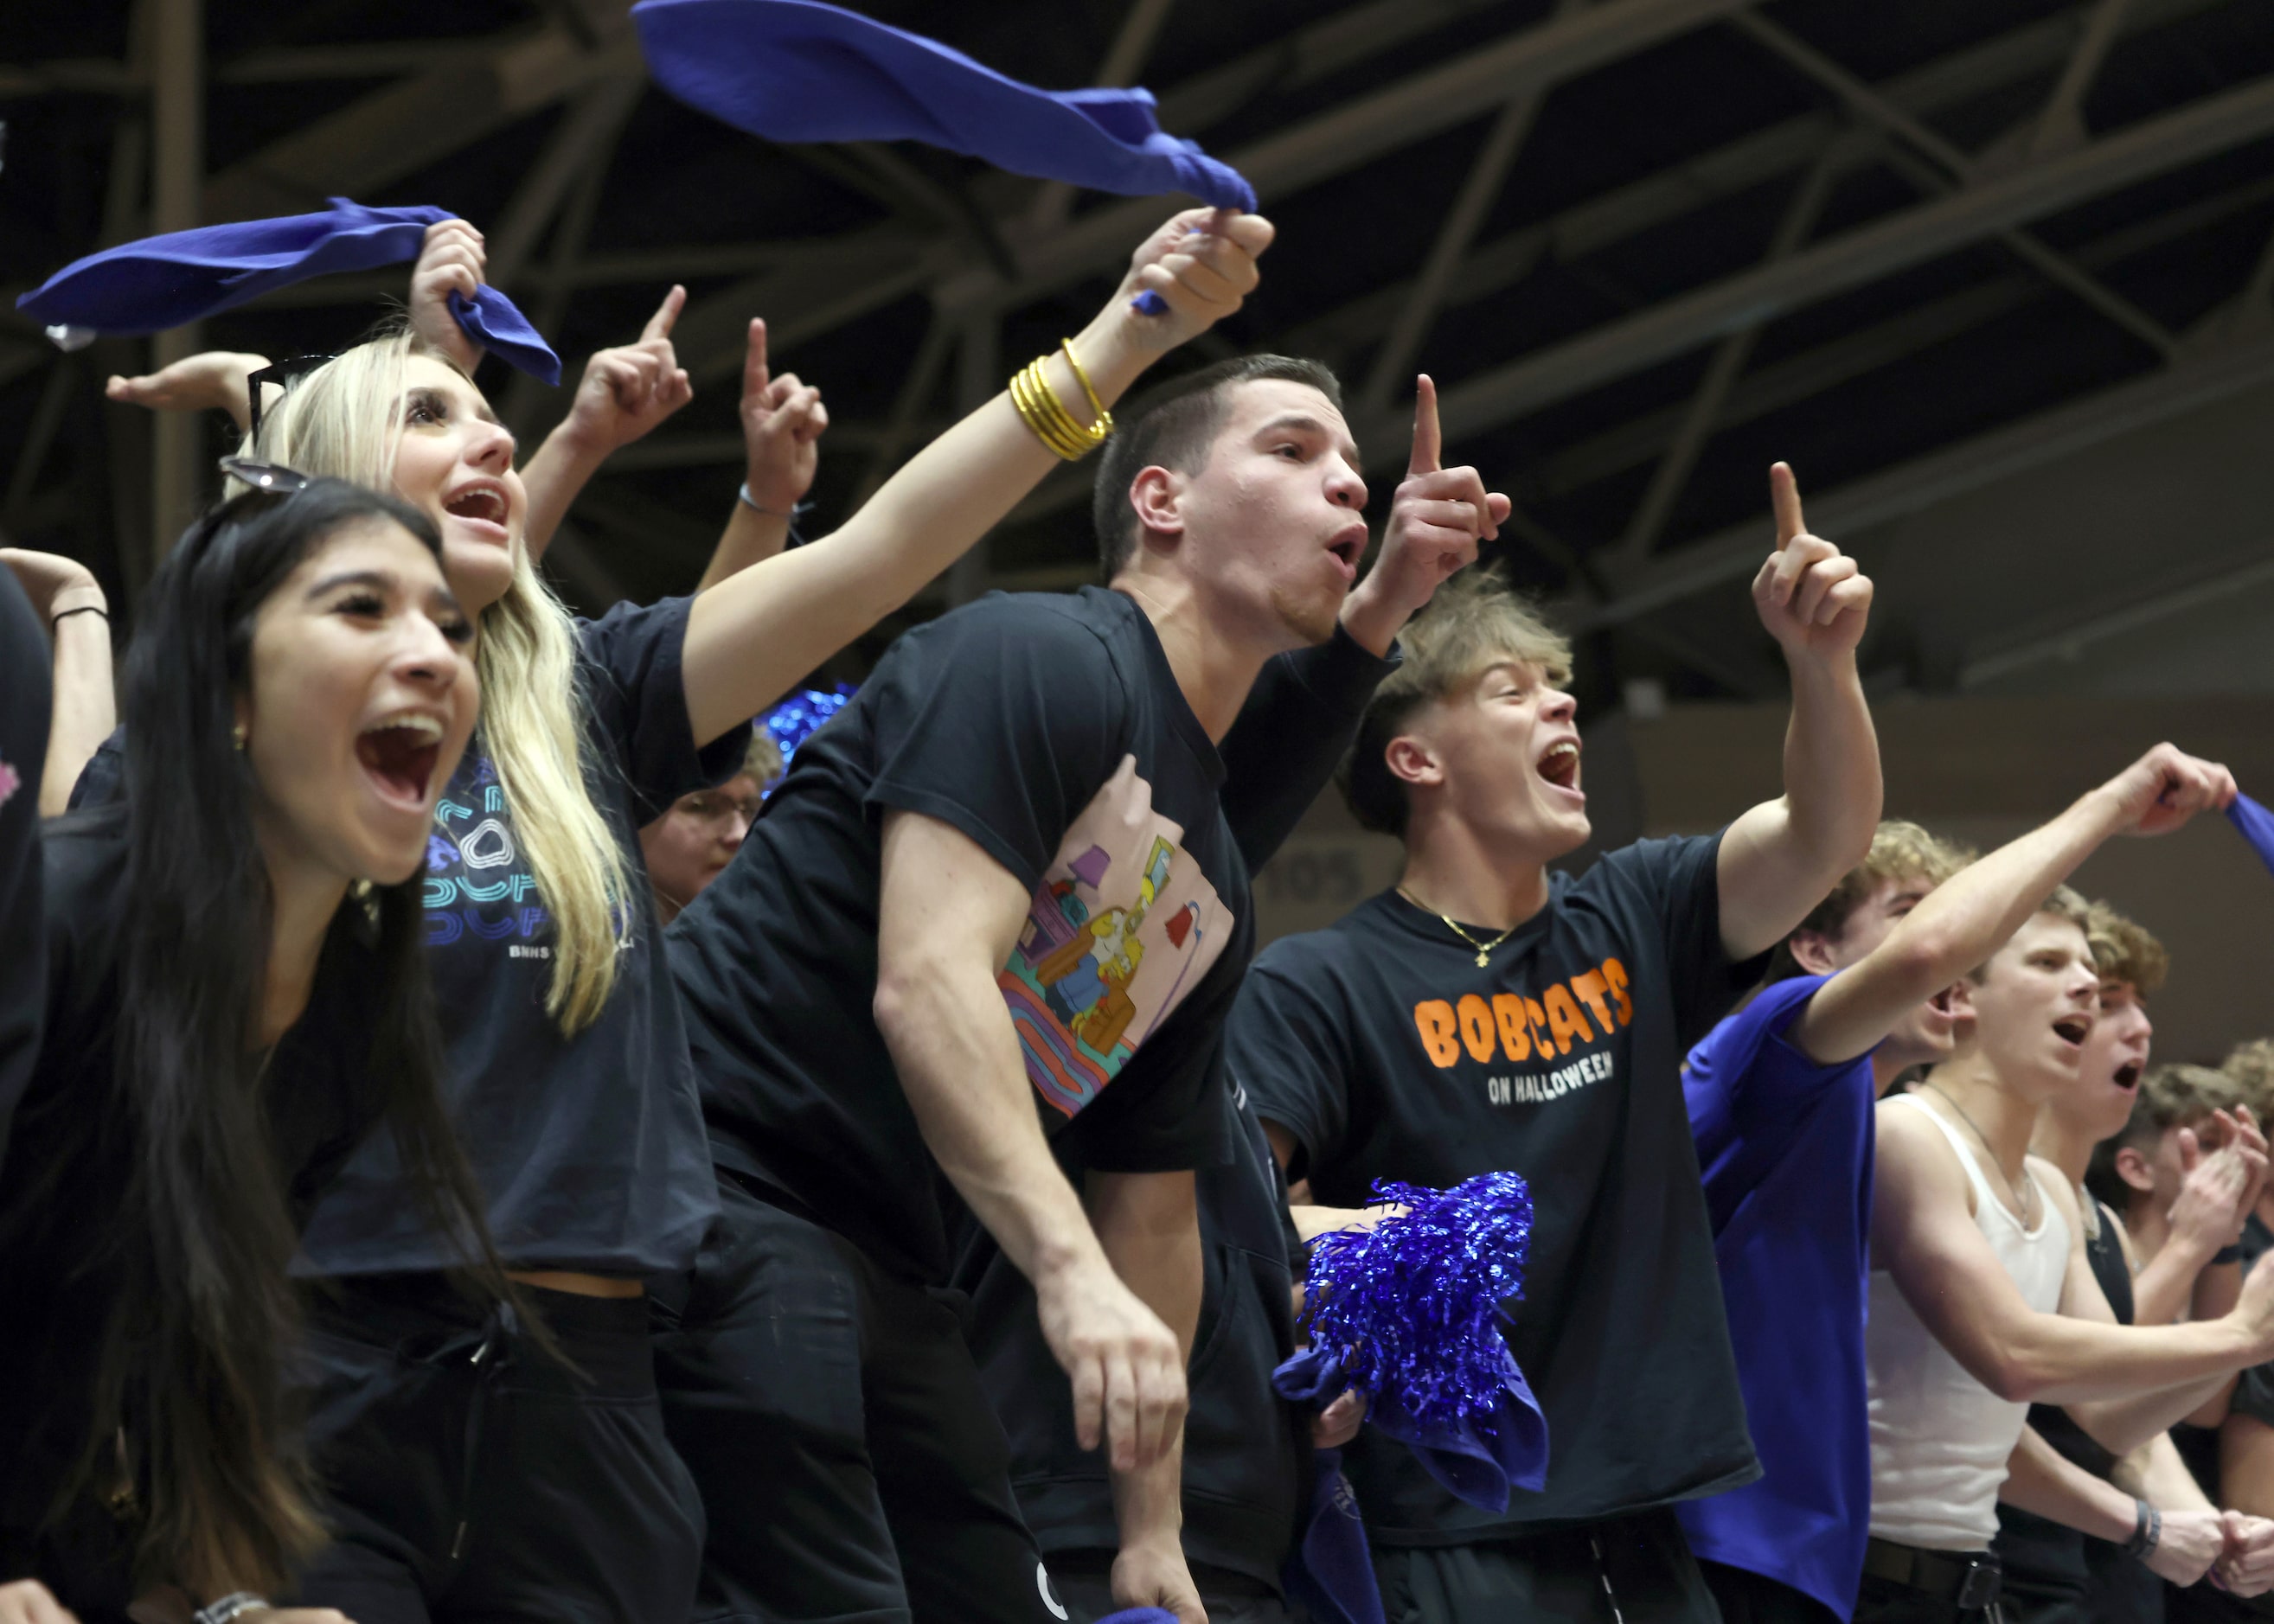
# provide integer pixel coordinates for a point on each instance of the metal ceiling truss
(980, 253)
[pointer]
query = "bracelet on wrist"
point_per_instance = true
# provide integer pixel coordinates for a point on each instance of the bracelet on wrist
(797, 510)
(2147, 1530)
(228, 1607)
(1039, 406)
(64, 614)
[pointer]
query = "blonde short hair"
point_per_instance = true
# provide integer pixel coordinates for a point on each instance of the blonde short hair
(2250, 1067)
(1900, 850)
(2124, 951)
(1476, 620)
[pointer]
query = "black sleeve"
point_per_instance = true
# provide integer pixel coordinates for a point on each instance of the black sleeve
(1298, 720)
(1286, 1048)
(1004, 722)
(1677, 880)
(24, 699)
(638, 694)
(103, 781)
(1168, 1110)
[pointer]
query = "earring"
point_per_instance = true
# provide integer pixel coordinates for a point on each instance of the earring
(237, 735)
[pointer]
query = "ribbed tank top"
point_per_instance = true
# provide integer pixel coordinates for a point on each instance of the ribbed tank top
(1939, 1439)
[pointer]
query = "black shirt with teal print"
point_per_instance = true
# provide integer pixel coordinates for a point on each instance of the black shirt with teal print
(1387, 1052)
(1051, 730)
(590, 1149)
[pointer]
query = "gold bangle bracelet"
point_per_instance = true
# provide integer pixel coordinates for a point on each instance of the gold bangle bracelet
(1102, 418)
(1046, 415)
(1046, 428)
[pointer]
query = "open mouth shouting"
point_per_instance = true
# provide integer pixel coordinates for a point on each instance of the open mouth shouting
(2127, 1075)
(482, 504)
(1349, 548)
(1559, 764)
(2073, 1030)
(398, 753)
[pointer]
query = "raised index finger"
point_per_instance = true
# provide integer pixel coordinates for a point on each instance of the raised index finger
(659, 325)
(1784, 497)
(1429, 443)
(754, 375)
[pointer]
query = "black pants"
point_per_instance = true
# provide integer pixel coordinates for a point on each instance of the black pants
(1883, 1601)
(2044, 1579)
(1084, 1581)
(471, 1476)
(832, 1414)
(1748, 1598)
(1636, 1569)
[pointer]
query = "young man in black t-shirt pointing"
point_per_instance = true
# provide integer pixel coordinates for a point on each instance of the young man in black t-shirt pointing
(1488, 1016)
(989, 927)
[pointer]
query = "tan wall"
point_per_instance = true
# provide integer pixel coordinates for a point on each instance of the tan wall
(1980, 770)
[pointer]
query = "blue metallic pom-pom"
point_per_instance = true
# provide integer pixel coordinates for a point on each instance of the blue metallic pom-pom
(1412, 1307)
(791, 722)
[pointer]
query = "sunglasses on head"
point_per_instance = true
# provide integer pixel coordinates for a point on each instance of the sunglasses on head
(281, 373)
(267, 479)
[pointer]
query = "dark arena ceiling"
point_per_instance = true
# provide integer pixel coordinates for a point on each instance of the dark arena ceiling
(1645, 246)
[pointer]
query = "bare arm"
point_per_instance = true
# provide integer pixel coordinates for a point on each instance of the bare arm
(1150, 1225)
(783, 420)
(2040, 1479)
(948, 917)
(1923, 1232)
(1964, 920)
(83, 708)
(752, 636)
(1783, 857)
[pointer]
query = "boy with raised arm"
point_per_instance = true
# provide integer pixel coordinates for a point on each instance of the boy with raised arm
(996, 904)
(1780, 1099)
(1488, 1016)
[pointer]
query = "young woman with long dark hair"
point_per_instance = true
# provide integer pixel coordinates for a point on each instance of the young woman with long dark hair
(237, 995)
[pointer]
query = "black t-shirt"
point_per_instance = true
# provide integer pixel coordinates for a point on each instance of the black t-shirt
(23, 755)
(1385, 1051)
(1246, 1478)
(590, 1149)
(71, 1152)
(1051, 730)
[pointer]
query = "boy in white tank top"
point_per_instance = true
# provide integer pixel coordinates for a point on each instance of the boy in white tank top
(1983, 1300)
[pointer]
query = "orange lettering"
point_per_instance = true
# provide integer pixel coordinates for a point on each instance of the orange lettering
(1515, 1034)
(1564, 1019)
(1615, 973)
(1539, 1026)
(1590, 986)
(1477, 1027)
(1434, 1019)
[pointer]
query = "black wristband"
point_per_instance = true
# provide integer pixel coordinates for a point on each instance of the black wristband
(2228, 1254)
(2147, 1531)
(65, 614)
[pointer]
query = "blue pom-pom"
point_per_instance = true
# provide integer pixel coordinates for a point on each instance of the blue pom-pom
(1412, 1307)
(793, 722)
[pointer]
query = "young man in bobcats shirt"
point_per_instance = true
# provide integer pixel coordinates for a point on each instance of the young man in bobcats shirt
(1488, 1016)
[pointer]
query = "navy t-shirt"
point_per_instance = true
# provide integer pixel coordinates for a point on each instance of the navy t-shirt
(590, 1149)
(1387, 1052)
(1786, 1145)
(1048, 729)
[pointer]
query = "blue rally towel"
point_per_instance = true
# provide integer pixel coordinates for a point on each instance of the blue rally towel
(1480, 1459)
(796, 70)
(2257, 826)
(184, 277)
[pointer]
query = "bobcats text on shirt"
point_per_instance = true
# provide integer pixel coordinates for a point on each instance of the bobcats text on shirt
(1386, 1051)
(1049, 730)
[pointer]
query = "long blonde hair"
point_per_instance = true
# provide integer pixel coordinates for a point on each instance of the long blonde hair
(345, 419)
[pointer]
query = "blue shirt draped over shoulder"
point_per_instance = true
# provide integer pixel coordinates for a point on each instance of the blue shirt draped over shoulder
(1785, 1146)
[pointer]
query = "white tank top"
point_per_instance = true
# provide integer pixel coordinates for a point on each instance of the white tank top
(1939, 1439)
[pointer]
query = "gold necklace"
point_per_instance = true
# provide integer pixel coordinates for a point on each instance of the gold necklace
(2022, 1204)
(1484, 949)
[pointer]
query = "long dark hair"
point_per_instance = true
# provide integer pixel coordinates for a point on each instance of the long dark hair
(196, 1347)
